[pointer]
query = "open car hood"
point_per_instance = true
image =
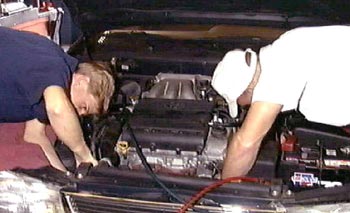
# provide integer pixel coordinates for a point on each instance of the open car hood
(104, 14)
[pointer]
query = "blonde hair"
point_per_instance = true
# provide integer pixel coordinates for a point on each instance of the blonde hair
(101, 84)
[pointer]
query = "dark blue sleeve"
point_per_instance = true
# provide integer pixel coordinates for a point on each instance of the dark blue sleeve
(52, 72)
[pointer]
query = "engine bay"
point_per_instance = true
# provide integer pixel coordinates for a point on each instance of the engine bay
(166, 116)
(182, 128)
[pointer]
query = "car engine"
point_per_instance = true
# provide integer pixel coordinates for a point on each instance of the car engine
(176, 125)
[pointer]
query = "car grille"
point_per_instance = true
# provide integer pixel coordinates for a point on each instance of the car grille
(86, 203)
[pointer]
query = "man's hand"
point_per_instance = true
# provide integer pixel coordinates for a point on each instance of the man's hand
(243, 148)
(65, 123)
(84, 156)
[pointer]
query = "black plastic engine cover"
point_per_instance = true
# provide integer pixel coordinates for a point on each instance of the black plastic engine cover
(180, 125)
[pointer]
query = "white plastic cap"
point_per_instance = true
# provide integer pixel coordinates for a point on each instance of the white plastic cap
(233, 75)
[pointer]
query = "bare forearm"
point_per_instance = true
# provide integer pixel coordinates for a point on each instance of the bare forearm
(245, 144)
(51, 154)
(35, 133)
(239, 159)
(67, 128)
(65, 122)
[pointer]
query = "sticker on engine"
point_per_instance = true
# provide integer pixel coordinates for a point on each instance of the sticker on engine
(304, 179)
(331, 152)
(125, 67)
(337, 163)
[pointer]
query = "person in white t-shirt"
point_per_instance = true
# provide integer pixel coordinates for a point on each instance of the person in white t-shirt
(306, 68)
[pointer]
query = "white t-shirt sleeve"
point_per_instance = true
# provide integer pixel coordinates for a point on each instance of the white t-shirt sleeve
(280, 80)
(308, 66)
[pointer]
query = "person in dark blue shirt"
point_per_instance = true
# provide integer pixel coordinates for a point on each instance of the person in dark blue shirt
(41, 84)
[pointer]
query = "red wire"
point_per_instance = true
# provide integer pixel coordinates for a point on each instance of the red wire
(213, 186)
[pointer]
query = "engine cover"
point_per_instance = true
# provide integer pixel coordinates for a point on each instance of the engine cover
(166, 124)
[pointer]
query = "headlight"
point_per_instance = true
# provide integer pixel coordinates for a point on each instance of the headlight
(280, 208)
(336, 207)
(20, 193)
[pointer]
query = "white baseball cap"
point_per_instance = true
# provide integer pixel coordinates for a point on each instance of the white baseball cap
(233, 75)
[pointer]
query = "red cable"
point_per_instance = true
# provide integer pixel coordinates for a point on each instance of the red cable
(213, 186)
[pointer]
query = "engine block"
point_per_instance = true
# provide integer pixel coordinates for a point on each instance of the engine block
(174, 132)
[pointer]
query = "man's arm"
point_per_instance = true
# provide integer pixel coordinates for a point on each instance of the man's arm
(244, 146)
(65, 123)
(34, 132)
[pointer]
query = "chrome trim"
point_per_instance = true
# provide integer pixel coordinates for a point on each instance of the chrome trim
(168, 207)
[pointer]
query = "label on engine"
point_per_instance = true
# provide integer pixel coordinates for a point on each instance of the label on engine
(304, 179)
(336, 163)
(331, 152)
